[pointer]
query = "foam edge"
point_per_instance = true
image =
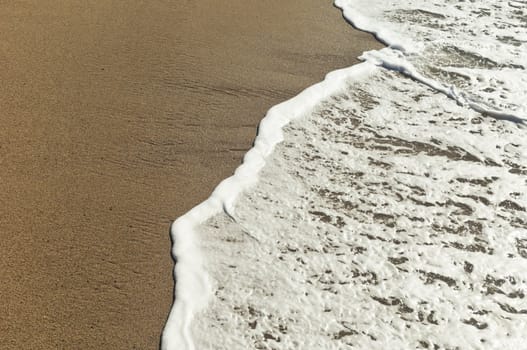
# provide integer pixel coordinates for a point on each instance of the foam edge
(192, 284)
(391, 58)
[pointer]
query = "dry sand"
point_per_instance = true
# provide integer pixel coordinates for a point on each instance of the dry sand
(117, 117)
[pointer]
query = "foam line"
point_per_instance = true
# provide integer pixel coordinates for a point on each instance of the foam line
(193, 286)
(369, 25)
(392, 58)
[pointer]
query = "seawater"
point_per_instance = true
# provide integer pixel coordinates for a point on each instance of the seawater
(384, 208)
(475, 51)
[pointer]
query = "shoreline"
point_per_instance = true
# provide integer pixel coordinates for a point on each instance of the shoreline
(117, 121)
(190, 271)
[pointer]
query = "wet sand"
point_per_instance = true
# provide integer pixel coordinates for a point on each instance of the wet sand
(117, 117)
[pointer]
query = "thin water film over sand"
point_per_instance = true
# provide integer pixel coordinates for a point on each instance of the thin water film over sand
(391, 217)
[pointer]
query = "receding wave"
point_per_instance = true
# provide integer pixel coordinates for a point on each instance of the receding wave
(385, 207)
(474, 52)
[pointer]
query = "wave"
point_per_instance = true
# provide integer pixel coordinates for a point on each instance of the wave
(366, 132)
(473, 54)
(193, 287)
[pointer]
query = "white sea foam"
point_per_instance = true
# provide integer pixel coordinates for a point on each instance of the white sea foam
(474, 51)
(192, 283)
(389, 213)
(378, 223)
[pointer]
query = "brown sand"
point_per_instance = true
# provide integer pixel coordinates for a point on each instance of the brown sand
(117, 117)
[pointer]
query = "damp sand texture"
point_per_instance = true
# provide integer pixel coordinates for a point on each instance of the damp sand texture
(116, 119)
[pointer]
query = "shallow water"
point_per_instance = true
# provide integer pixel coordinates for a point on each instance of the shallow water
(379, 222)
(394, 212)
(475, 49)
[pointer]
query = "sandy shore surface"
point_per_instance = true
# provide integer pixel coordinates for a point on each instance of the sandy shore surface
(117, 117)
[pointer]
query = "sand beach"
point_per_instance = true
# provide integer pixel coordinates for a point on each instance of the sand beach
(117, 117)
